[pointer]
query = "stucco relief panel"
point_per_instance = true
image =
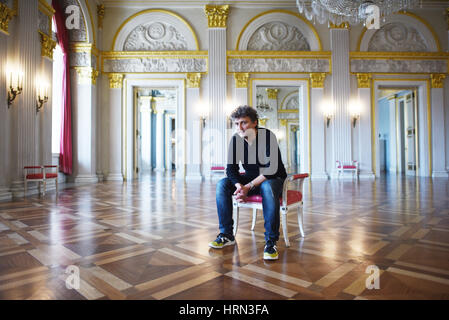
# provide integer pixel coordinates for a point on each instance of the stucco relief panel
(155, 65)
(278, 36)
(398, 37)
(278, 65)
(398, 66)
(155, 36)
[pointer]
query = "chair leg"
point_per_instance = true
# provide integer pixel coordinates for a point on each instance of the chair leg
(45, 186)
(300, 221)
(25, 190)
(56, 182)
(284, 226)
(235, 213)
(254, 219)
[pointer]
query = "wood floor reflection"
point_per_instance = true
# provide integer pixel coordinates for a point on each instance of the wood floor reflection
(148, 240)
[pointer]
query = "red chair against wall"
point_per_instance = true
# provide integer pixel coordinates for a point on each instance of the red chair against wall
(352, 167)
(40, 174)
(291, 199)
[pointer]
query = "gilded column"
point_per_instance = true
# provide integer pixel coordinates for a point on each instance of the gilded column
(341, 125)
(364, 128)
(318, 128)
(217, 21)
(114, 127)
(194, 127)
(438, 164)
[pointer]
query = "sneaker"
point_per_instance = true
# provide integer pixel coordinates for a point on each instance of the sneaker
(222, 241)
(270, 252)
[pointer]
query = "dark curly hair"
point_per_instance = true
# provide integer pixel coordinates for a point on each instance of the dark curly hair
(245, 111)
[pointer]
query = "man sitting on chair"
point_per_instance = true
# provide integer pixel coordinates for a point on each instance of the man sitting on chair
(258, 151)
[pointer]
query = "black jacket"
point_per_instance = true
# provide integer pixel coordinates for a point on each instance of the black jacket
(261, 157)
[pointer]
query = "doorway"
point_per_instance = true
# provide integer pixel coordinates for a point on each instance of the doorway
(398, 131)
(155, 127)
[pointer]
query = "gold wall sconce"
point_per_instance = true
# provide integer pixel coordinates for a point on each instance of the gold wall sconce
(41, 94)
(15, 84)
(354, 110)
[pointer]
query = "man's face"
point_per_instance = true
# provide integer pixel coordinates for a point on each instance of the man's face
(245, 126)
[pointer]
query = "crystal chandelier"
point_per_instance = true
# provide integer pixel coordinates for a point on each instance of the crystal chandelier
(262, 106)
(350, 11)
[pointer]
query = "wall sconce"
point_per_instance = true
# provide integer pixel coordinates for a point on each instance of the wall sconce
(328, 111)
(41, 94)
(354, 110)
(203, 111)
(15, 85)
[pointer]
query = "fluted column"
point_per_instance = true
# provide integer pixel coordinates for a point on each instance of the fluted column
(317, 123)
(84, 124)
(24, 142)
(194, 127)
(437, 116)
(341, 124)
(217, 18)
(366, 141)
(114, 127)
(160, 163)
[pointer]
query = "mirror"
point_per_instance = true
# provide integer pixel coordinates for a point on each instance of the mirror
(278, 109)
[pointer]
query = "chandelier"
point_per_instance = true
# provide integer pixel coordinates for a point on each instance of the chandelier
(350, 11)
(262, 105)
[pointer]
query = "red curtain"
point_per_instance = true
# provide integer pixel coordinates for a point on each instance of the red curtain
(65, 154)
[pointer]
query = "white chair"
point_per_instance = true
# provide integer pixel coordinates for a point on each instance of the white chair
(40, 174)
(291, 199)
(351, 167)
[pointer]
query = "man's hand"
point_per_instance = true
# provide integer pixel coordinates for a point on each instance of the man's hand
(241, 193)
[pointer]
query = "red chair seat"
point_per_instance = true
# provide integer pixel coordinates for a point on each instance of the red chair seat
(347, 167)
(292, 197)
(217, 168)
(40, 176)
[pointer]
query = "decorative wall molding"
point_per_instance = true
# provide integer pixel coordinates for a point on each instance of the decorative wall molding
(398, 66)
(318, 79)
(83, 55)
(47, 45)
(364, 80)
(272, 18)
(45, 16)
(278, 36)
(343, 25)
(155, 36)
(87, 75)
(406, 28)
(217, 16)
(437, 80)
(278, 62)
(6, 14)
(241, 80)
(115, 80)
(396, 37)
(100, 15)
(147, 62)
(193, 80)
(156, 23)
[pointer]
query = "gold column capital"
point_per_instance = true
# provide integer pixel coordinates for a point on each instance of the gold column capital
(115, 80)
(100, 14)
(6, 14)
(343, 25)
(318, 79)
(437, 80)
(217, 15)
(283, 122)
(363, 80)
(272, 93)
(241, 80)
(193, 80)
(87, 75)
(263, 122)
(47, 45)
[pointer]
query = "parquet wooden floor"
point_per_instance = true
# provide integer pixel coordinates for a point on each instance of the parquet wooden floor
(148, 240)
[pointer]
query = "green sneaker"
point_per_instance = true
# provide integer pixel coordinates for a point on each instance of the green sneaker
(222, 241)
(270, 252)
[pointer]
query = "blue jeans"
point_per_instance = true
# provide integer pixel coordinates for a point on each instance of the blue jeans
(270, 190)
